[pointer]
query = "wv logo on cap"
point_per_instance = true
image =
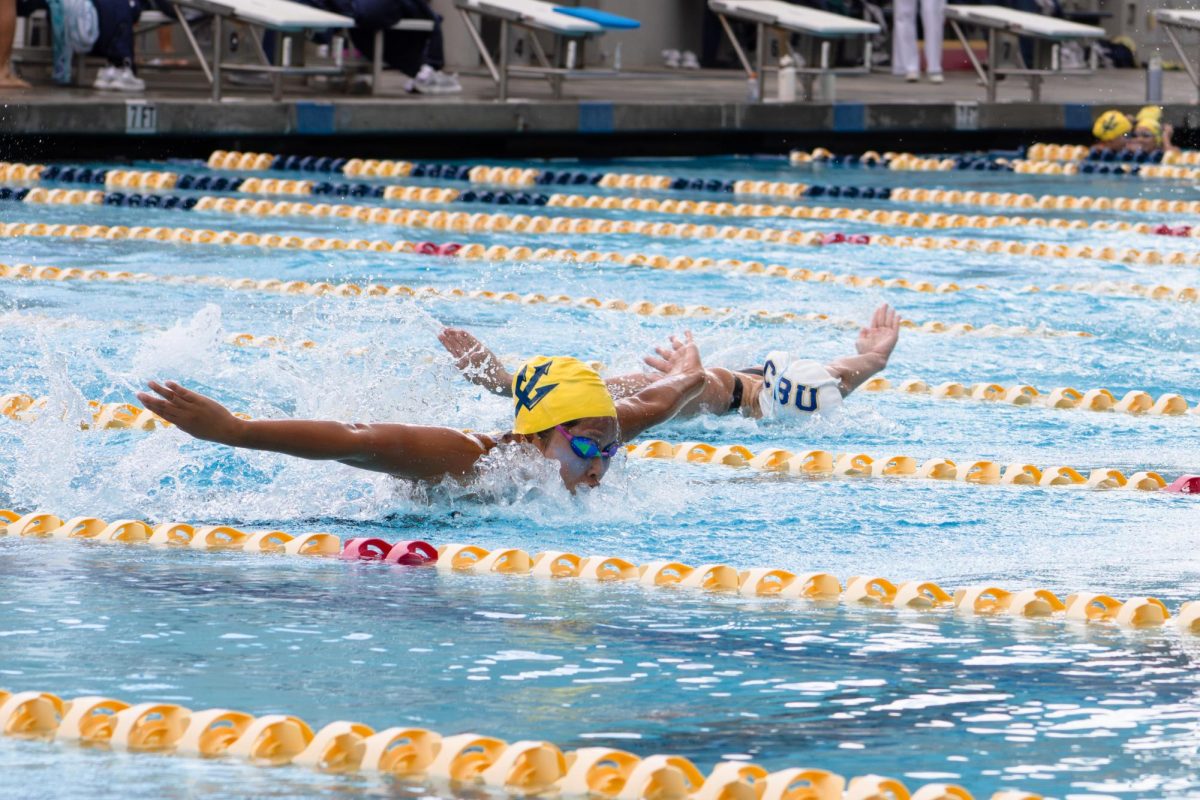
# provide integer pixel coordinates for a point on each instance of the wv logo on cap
(527, 393)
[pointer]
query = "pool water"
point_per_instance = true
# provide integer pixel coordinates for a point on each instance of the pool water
(1052, 707)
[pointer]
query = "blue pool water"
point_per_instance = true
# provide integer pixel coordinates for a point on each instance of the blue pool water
(1052, 707)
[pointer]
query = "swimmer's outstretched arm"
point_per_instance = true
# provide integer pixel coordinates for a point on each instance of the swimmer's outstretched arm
(681, 381)
(415, 452)
(875, 345)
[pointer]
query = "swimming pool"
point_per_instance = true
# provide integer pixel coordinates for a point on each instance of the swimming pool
(1058, 708)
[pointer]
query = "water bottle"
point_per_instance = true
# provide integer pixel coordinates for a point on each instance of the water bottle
(786, 87)
(1154, 81)
(752, 89)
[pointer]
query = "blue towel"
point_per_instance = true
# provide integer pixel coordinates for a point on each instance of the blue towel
(602, 18)
(74, 27)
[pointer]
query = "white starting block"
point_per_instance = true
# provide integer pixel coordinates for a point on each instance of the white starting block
(568, 24)
(1050, 33)
(817, 29)
(1173, 21)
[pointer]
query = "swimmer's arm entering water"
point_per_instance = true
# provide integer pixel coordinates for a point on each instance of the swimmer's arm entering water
(682, 380)
(476, 362)
(875, 345)
(415, 452)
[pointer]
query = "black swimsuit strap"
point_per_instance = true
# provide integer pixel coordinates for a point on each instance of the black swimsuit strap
(735, 402)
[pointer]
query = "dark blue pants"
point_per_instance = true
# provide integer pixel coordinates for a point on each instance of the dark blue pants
(117, 18)
(402, 50)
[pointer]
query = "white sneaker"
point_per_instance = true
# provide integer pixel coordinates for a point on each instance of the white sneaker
(425, 80)
(936, 77)
(912, 77)
(446, 83)
(689, 60)
(126, 81)
(671, 59)
(104, 78)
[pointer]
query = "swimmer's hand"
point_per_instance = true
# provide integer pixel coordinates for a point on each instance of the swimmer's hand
(193, 413)
(478, 364)
(680, 358)
(681, 381)
(880, 336)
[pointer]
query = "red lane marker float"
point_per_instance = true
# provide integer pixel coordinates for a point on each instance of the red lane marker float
(1167, 230)
(414, 553)
(435, 249)
(1185, 484)
(841, 238)
(366, 549)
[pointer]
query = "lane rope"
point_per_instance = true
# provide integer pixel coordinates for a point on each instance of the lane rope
(1141, 165)
(870, 591)
(1042, 151)
(540, 224)
(639, 307)
(1135, 401)
(445, 195)
(160, 180)
(523, 768)
(828, 464)
(1161, 292)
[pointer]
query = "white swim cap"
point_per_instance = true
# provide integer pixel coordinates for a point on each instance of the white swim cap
(796, 388)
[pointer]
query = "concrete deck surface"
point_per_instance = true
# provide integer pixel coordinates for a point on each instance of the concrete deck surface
(661, 103)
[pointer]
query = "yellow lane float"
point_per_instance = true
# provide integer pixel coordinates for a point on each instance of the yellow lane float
(1135, 401)
(821, 464)
(523, 768)
(765, 582)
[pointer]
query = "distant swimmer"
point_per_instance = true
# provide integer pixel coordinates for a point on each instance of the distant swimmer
(783, 387)
(561, 408)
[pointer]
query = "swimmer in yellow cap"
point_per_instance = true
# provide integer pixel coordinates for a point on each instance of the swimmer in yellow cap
(1111, 129)
(561, 408)
(782, 388)
(1150, 133)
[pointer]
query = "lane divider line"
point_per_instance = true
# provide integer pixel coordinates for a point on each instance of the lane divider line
(639, 307)
(522, 768)
(828, 464)
(818, 587)
(521, 253)
(159, 180)
(150, 180)
(539, 224)
(1135, 401)
(1140, 166)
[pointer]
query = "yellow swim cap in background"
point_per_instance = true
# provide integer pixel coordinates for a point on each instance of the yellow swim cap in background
(549, 391)
(1111, 125)
(1152, 125)
(1150, 112)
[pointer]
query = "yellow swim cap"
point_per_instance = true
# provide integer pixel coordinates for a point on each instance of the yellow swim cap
(1111, 125)
(549, 391)
(1152, 125)
(1150, 112)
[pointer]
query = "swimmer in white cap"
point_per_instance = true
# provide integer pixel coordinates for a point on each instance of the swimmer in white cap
(561, 408)
(783, 387)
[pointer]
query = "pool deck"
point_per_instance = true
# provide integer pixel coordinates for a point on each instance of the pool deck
(648, 113)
